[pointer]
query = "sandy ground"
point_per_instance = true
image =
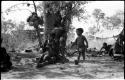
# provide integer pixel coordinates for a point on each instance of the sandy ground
(93, 68)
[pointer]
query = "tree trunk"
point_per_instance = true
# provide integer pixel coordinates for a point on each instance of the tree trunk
(37, 28)
(68, 21)
(52, 18)
(38, 34)
(49, 23)
(98, 27)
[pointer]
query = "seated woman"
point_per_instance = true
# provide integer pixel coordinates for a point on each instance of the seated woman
(49, 52)
(5, 62)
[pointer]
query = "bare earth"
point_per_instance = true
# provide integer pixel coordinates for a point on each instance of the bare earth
(93, 68)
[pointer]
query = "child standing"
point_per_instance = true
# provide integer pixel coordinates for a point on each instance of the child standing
(80, 43)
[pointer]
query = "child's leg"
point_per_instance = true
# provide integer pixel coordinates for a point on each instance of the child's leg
(83, 54)
(41, 59)
(79, 56)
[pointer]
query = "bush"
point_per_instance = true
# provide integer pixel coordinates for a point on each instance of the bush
(18, 40)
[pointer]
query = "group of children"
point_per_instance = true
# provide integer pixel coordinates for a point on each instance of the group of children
(57, 40)
(56, 45)
(51, 47)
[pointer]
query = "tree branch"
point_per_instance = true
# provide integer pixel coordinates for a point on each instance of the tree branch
(35, 6)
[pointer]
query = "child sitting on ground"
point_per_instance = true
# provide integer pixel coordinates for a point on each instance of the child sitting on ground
(105, 48)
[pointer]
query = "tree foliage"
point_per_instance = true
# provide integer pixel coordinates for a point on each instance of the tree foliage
(13, 34)
(114, 21)
(98, 15)
(7, 26)
(67, 9)
(117, 19)
(92, 30)
(62, 6)
(64, 11)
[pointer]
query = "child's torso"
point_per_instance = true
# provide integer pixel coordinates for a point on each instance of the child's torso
(80, 41)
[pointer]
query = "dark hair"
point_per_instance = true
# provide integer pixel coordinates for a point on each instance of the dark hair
(105, 44)
(80, 29)
(34, 13)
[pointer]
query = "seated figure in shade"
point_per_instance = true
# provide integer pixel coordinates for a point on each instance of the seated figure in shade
(5, 61)
(105, 48)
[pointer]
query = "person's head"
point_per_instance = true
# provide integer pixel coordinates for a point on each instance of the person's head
(105, 44)
(79, 31)
(34, 14)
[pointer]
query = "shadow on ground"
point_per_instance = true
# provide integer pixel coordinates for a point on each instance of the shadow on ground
(90, 69)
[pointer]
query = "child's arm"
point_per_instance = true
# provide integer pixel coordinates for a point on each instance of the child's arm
(86, 42)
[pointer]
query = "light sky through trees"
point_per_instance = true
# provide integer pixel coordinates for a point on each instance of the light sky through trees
(108, 7)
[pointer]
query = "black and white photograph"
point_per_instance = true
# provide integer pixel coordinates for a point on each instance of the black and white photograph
(62, 40)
